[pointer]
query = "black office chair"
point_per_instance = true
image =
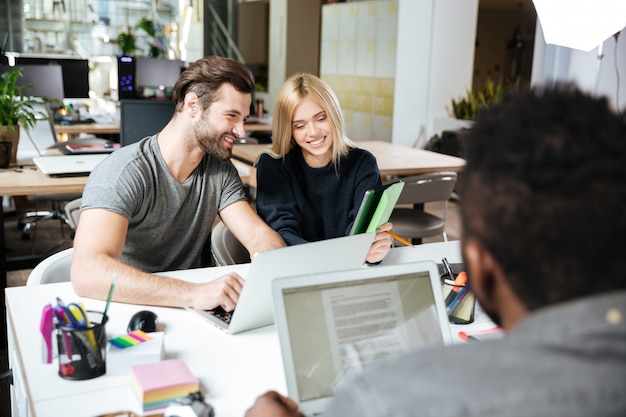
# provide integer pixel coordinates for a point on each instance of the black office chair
(413, 222)
(29, 222)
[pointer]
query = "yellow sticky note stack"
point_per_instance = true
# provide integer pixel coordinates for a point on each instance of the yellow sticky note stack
(157, 384)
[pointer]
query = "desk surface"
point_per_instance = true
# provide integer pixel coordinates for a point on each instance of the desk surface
(233, 369)
(100, 128)
(392, 159)
(95, 128)
(29, 181)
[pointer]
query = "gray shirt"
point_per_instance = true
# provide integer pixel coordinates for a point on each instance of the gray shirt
(169, 221)
(567, 360)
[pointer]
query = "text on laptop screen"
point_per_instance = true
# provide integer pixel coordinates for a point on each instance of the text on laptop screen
(337, 328)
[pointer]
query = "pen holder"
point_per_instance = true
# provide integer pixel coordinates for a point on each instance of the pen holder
(459, 300)
(82, 350)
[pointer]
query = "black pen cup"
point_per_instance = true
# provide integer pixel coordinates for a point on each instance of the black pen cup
(82, 350)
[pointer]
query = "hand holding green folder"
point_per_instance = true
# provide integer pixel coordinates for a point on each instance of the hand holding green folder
(376, 207)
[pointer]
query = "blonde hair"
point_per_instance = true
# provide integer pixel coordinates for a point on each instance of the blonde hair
(292, 92)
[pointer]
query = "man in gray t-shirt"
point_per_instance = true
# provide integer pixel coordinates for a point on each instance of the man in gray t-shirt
(150, 206)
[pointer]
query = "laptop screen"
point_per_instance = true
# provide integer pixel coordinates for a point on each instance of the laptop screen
(334, 327)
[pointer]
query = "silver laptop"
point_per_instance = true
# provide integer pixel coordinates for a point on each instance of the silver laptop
(254, 308)
(332, 325)
(68, 165)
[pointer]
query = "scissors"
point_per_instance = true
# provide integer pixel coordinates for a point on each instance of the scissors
(71, 315)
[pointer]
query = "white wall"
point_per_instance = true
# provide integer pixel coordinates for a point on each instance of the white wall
(433, 64)
(435, 60)
(595, 75)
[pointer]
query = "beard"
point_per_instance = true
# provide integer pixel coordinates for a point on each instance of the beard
(210, 140)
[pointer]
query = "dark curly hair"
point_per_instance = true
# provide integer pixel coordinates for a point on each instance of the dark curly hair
(544, 190)
(206, 75)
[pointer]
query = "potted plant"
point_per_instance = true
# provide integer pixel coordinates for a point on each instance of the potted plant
(16, 110)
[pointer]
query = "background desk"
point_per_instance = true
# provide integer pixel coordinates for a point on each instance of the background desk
(233, 369)
(114, 129)
(94, 128)
(393, 160)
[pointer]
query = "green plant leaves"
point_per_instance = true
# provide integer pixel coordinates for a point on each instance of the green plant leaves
(475, 101)
(15, 108)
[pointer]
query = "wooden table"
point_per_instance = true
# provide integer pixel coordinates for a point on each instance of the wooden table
(393, 160)
(95, 128)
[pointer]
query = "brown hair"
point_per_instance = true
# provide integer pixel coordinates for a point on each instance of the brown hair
(206, 75)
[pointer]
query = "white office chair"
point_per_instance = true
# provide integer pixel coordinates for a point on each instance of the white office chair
(55, 268)
(72, 211)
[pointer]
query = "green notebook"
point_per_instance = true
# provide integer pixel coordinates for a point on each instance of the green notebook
(376, 207)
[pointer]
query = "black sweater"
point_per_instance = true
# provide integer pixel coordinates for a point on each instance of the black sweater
(305, 204)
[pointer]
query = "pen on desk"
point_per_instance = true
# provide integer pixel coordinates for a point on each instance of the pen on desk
(64, 320)
(448, 268)
(398, 238)
(110, 296)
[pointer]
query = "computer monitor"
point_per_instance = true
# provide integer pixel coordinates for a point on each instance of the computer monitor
(155, 72)
(75, 73)
(39, 80)
(141, 118)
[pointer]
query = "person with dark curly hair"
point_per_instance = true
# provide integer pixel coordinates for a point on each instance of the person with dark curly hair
(542, 210)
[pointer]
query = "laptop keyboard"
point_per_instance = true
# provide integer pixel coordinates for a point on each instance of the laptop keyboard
(222, 314)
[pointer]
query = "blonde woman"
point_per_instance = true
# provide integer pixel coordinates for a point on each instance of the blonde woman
(311, 183)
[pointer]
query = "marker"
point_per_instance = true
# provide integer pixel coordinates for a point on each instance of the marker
(45, 327)
(399, 239)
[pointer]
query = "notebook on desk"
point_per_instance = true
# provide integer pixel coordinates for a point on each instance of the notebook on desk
(68, 165)
(254, 308)
(331, 325)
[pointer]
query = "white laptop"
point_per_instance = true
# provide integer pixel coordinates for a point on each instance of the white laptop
(68, 165)
(254, 308)
(333, 324)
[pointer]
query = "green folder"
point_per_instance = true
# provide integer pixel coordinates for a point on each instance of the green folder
(376, 207)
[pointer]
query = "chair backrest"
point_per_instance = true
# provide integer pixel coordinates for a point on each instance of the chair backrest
(55, 268)
(72, 210)
(226, 249)
(424, 188)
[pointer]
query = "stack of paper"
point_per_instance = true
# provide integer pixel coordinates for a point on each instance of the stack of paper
(157, 384)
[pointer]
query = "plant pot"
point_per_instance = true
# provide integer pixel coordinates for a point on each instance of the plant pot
(13, 136)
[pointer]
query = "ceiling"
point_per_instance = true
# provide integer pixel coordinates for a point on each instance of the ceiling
(506, 5)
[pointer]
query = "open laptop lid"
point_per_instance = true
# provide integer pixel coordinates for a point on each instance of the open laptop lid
(254, 308)
(331, 325)
(68, 165)
(36, 140)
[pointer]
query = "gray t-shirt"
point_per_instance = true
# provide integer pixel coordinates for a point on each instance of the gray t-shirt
(169, 221)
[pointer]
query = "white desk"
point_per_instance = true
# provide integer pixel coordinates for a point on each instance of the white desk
(233, 370)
